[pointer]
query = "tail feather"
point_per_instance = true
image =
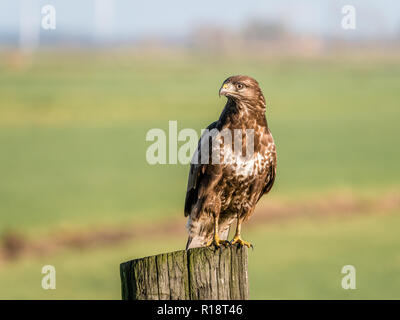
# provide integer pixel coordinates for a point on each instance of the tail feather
(223, 235)
(199, 231)
(195, 242)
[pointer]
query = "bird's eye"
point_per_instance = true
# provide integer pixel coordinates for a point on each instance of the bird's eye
(239, 86)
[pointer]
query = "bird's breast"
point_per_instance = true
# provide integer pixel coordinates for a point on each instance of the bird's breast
(246, 166)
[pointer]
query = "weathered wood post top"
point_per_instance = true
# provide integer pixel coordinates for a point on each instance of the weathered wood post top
(196, 274)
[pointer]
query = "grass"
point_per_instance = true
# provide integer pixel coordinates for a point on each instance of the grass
(72, 137)
(303, 259)
(299, 259)
(73, 131)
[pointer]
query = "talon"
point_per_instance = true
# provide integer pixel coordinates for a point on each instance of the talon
(225, 243)
(241, 242)
(217, 242)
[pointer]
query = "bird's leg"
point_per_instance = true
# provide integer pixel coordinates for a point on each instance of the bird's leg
(237, 238)
(216, 240)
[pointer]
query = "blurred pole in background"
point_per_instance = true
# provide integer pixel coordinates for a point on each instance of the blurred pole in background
(29, 24)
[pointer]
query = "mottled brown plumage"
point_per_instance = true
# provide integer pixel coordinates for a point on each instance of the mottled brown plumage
(219, 193)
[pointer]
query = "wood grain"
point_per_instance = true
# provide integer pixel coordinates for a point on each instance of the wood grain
(195, 274)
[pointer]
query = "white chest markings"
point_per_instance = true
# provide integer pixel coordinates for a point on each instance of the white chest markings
(244, 166)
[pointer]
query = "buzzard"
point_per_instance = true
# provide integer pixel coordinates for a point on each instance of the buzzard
(220, 192)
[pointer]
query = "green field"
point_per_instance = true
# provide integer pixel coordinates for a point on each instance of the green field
(72, 157)
(292, 260)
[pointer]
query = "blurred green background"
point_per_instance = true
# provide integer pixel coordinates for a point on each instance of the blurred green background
(72, 160)
(76, 102)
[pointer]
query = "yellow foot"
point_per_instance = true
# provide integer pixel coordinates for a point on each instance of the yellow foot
(216, 241)
(241, 242)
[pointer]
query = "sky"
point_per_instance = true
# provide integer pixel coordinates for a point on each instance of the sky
(131, 18)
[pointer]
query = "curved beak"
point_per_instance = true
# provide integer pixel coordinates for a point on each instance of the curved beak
(224, 91)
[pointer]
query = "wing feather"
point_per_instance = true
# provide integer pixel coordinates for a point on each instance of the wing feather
(196, 175)
(270, 177)
(269, 181)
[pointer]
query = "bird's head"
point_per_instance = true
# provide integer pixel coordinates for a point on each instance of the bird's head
(243, 89)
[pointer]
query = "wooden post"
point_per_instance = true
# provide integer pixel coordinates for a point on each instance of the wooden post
(196, 274)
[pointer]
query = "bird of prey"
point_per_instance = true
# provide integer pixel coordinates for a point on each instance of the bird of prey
(220, 192)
